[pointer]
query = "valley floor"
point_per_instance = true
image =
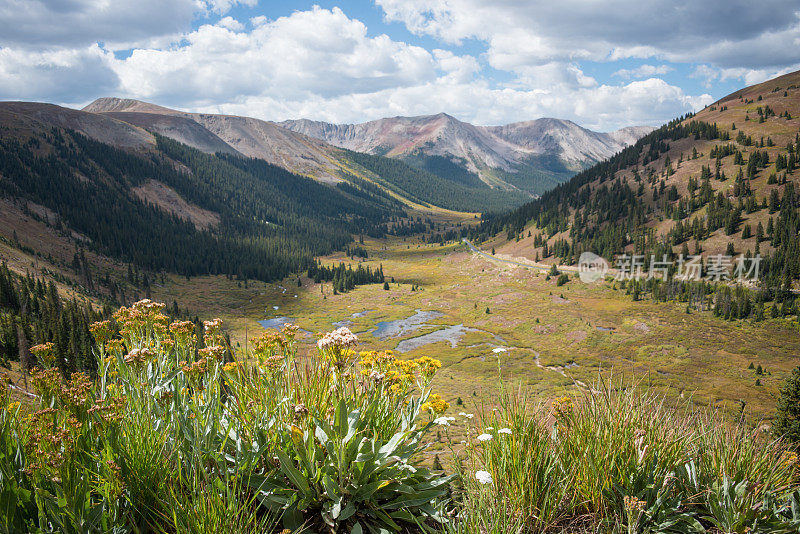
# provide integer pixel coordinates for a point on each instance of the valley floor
(556, 339)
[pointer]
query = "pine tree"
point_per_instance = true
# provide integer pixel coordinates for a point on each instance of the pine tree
(787, 422)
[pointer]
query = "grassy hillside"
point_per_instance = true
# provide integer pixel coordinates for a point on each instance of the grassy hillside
(268, 222)
(721, 181)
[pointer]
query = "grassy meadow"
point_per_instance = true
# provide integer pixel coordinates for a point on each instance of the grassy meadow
(558, 339)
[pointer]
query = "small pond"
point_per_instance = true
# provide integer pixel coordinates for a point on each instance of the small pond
(451, 334)
(400, 327)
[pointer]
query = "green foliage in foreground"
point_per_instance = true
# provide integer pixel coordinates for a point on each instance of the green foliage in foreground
(176, 435)
(618, 460)
(787, 423)
(171, 437)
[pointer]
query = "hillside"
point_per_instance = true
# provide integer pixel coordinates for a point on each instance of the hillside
(208, 214)
(533, 156)
(249, 137)
(721, 181)
(305, 155)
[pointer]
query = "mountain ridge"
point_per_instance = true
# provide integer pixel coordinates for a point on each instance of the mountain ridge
(478, 149)
(721, 182)
(500, 156)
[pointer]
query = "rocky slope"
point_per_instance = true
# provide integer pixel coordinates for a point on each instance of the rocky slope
(229, 133)
(484, 150)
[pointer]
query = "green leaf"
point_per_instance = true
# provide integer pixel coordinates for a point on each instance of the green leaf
(293, 474)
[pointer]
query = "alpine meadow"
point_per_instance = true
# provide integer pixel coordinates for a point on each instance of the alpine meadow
(388, 267)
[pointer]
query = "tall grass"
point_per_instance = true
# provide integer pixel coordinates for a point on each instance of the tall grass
(617, 459)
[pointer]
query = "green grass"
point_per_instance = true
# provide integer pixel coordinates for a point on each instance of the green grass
(693, 357)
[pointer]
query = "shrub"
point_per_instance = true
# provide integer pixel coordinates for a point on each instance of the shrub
(787, 422)
(177, 434)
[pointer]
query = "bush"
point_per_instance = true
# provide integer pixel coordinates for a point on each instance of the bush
(787, 422)
(177, 434)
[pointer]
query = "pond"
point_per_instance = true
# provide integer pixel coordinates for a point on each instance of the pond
(276, 323)
(451, 334)
(400, 327)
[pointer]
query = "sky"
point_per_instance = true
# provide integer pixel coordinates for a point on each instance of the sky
(602, 64)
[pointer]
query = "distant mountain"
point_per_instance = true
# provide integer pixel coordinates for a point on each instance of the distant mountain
(439, 183)
(532, 155)
(228, 133)
(139, 129)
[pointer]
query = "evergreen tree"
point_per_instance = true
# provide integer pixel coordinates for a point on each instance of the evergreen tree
(787, 421)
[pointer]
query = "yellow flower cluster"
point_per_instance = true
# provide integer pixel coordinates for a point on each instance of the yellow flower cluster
(76, 393)
(183, 332)
(435, 404)
(632, 504)
(214, 352)
(563, 407)
(213, 332)
(139, 357)
(428, 366)
(231, 367)
(115, 346)
(141, 314)
(44, 353)
(46, 382)
(268, 344)
(384, 366)
(102, 331)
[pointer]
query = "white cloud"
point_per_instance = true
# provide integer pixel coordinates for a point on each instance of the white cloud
(231, 23)
(69, 76)
(709, 75)
(605, 107)
(643, 71)
(76, 23)
(322, 64)
(320, 52)
(117, 24)
(522, 33)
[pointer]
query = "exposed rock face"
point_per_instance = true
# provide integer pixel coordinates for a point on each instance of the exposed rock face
(228, 133)
(474, 147)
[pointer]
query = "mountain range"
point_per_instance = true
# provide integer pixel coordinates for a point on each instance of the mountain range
(528, 157)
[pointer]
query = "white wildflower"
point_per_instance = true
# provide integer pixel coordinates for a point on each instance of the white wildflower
(467, 415)
(504, 431)
(484, 477)
(444, 421)
(484, 437)
(489, 428)
(341, 337)
(498, 350)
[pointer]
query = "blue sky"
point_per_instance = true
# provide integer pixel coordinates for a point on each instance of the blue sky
(603, 65)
